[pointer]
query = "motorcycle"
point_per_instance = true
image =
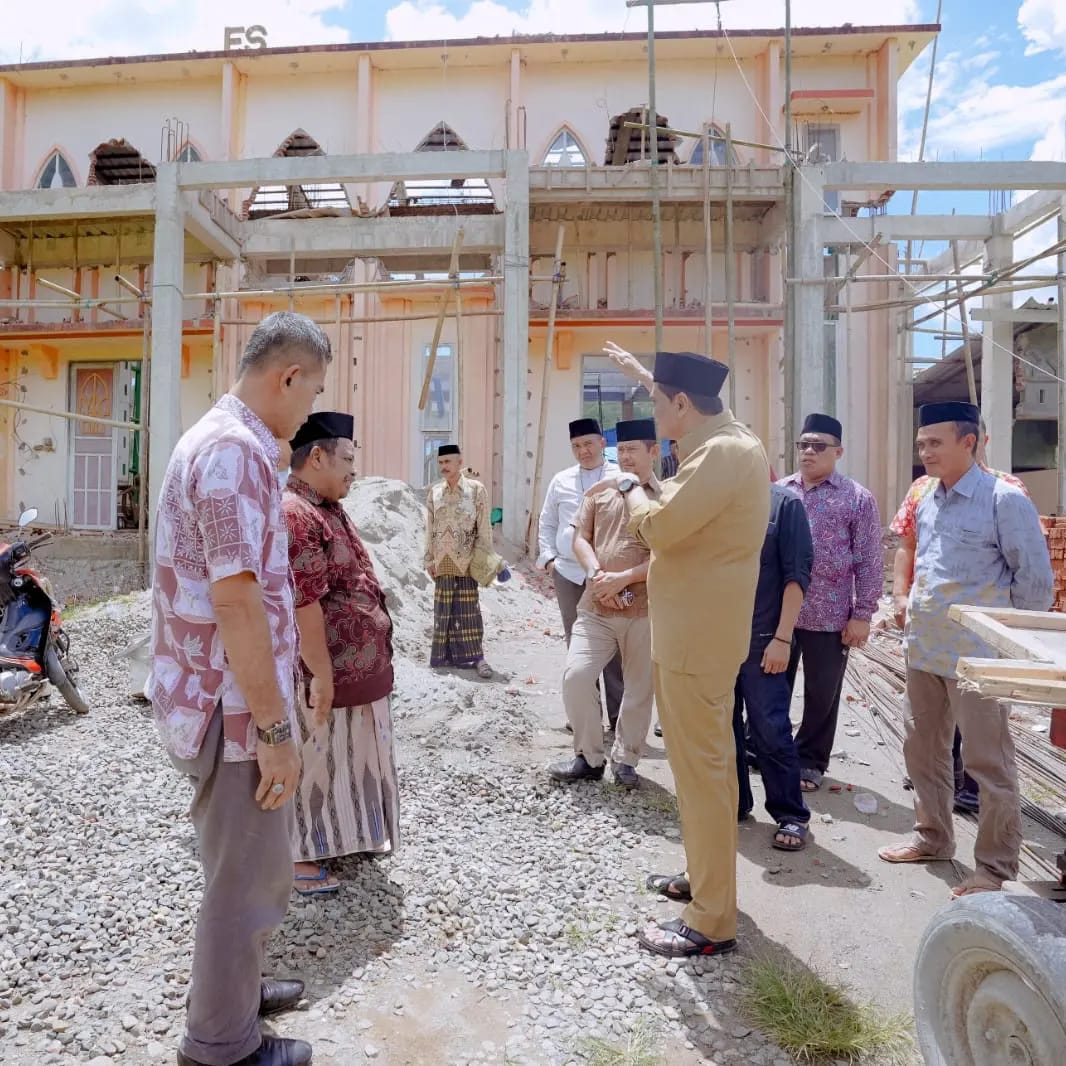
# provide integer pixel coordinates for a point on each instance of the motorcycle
(34, 649)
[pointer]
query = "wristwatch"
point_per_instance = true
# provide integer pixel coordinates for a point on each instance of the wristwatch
(627, 484)
(594, 573)
(277, 734)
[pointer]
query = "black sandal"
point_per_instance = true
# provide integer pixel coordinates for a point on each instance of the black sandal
(682, 942)
(672, 886)
(791, 829)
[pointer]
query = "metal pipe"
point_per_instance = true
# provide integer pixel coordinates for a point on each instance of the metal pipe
(708, 294)
(143, 552)
(967, 353)
(130, 288)
(59, 288)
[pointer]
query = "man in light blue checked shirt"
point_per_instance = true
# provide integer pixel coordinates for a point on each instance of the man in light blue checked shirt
(979, 542)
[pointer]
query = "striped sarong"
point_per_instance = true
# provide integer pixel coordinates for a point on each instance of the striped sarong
(458, 631)
(347, 802)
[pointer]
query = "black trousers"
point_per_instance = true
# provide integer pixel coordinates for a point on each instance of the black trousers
(825, 658)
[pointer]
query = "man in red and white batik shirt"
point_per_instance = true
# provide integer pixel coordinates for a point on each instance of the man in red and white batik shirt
(222, 607)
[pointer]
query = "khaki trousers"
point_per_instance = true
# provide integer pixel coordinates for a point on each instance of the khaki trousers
(247, 860)
(933, 707)
(594, 641)
(696, 715)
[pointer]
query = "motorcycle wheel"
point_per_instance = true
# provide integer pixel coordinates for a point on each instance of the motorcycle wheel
(67, 689)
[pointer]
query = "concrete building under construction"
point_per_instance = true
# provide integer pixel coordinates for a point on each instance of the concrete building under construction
(448, 211)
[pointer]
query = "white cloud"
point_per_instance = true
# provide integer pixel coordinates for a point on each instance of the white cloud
(429, 19)
(1043, 24)
(974, 114)
(77, 29)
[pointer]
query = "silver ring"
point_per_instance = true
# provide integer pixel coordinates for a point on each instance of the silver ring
(278, 789)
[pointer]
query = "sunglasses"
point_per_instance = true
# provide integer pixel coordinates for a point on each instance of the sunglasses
(816, 446)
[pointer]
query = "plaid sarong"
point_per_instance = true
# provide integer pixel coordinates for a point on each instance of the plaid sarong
(457, 627)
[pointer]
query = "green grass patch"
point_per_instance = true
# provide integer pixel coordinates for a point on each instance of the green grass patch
(817, 1021)
(640, 1049)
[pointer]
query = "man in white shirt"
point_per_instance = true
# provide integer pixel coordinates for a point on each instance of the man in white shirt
(556, 537)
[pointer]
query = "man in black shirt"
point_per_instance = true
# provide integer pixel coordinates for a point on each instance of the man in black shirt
(762, 685)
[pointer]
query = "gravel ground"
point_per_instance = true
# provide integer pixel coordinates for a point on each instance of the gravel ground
(502, 931)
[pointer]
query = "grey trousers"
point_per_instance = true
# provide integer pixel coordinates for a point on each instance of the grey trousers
(932, 708)
(247, 862)
(568, 594)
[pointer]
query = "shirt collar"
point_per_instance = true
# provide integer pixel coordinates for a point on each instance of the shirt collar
(835, 480)
(966, 484)
(299, 487)
(691, 441)
(244, 414)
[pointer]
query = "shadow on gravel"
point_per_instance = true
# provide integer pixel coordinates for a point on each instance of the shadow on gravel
(25, 726)
(362, 921)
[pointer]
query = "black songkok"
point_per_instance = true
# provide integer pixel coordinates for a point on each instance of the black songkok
(324, 425)
(585, 427)
(689, 372)
(635, 429)
(931, 413)
(448, 449)
(823, 424)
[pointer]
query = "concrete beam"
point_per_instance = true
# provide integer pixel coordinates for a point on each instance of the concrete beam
(969, 252)
(345, 169)
(906, 227)
(516, 487)
(1016, 314)
(1031, 211)
(206, 230)
(329, 237)
(951, 177)
(29, 204)
(810, 378)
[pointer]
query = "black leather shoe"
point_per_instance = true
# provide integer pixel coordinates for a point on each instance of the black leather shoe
(658, 730)
(625, 775)
(276, 996)
(273, 1051)
(575, 769)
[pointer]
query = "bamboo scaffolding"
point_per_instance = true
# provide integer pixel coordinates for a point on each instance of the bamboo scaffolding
(708, 294)
(143, 554)
(549, 343)
(453, 270)
(70, 416)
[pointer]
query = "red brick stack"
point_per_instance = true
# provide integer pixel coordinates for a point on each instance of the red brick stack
(1055, 528)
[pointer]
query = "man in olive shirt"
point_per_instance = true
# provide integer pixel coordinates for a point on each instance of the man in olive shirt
(612, 619)
(705, 533)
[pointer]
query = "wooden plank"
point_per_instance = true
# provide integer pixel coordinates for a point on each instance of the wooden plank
(1003, 668)
(1016, 619)
(1014, 643)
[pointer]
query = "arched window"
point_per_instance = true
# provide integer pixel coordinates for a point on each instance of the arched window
(56, 173)
(429, 194)
(189, 154)
(718, 146)
(269, 201)
(565, 151)
(118, 163)
(629, 139)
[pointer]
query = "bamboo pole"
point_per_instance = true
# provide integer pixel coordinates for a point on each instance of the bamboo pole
(730, 268)
(453, 270)
(370, 286)
(371, 319)
(70, 416)
(967, 351)
(549, 343)
(459, 365)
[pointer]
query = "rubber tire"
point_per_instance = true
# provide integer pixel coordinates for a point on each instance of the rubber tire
(67, 689)
(990, 983)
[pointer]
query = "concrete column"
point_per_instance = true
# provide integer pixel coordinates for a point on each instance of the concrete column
(515, 473)
(885, 99)
(514, 133)
(167, 313)
(809, 381)
(364, 119)
(997, 362)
